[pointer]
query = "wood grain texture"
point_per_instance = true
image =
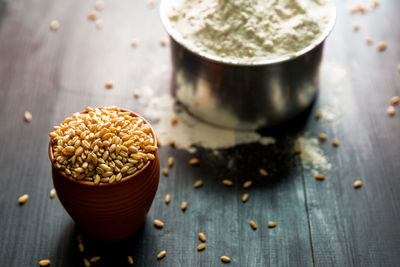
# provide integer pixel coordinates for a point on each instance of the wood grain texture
(329, 223)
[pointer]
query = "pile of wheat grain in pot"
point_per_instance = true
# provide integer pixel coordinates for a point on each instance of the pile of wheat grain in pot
(102, 144)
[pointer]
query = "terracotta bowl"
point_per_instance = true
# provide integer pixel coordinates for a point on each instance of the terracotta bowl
(109, 211)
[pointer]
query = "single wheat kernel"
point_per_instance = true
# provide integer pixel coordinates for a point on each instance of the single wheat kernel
(225, 259)
(163, 42)
(158, 224)
(54, 25)
(136, 94)
(130, 260)
(52, 193)
(86, 262)
(391, 111)
(318, 114)
(109, 84)
(297, 150)
(174, 120)
(99, 5)
(368, 40)
(134, 43)
(227, 182)
(81, 247)
(170, 161)
(263, 172)
(322, 137)
(22, 199)
(202, 237)
(374, 4)
(381, 46)
(194, 161)
(201, 246)
(198, 183)
(99, 24)
(165, 171)
(167, 198)
(253, 225)
(319, 176)
(184, 206)
(92, 15)
(151, 3)
(394, 100)
(335, 142)
(161, 254)
(95, 258)
(44, 262)
(357, 184)
(245, 197)
(271, 224)
(27, 116)
(356, 27)
(247, 184)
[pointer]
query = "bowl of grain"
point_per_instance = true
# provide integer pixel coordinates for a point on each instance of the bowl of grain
(246, 64)
(105, 170)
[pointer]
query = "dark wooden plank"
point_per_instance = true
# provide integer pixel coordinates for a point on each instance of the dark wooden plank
(358, 227)
(53, 74)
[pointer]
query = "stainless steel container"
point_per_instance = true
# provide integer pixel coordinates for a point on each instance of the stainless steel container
(244, 96)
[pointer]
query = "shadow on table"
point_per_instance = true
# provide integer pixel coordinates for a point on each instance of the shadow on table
(112, 253)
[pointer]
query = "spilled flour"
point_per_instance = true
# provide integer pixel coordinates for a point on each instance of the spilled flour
(312, 156)
(190, 132)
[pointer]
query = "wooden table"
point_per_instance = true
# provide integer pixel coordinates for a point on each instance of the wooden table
(321, 223)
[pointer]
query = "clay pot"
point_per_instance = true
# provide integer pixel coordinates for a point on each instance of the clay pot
(109, 211)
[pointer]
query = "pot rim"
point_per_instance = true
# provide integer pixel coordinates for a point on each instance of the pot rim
(124, 179)
(216, 59)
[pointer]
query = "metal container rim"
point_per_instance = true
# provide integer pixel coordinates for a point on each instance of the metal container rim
(207, 56)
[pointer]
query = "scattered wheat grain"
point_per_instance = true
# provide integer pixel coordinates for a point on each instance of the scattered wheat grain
(253, 225)
(271, 224)
(158, 224)
(319, 176)
(227, 182)
(194, 161)
(335, 142)
(170, 161)
(225, 259)
(86, 262)
(27, 116)
(92, 15)
(161, 254)
(263, 172)
(357, 184)
(322, 137)
(130, 260)
(54, 25)
(95, 258)
(201, 246)
(198, 183)
(382, 46)
(52, 193)
(247, 184)
(202, 237)
(23, 199)
(184, 206)
(245, 197)
(394, 100)
(165, 171)
(44, 262)
(167, 198)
